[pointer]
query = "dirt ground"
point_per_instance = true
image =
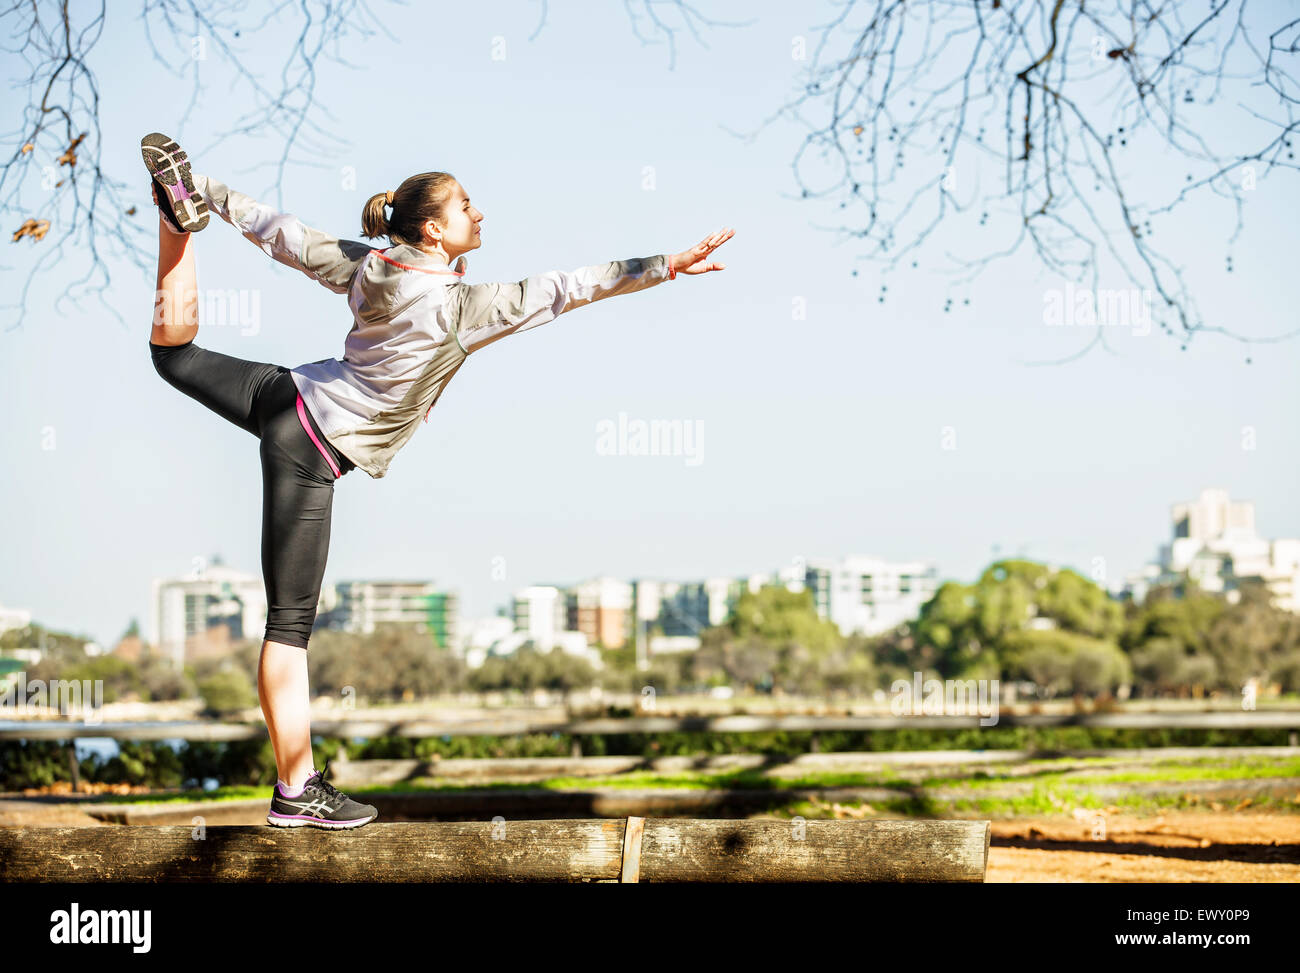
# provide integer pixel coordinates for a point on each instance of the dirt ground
(1175, 846)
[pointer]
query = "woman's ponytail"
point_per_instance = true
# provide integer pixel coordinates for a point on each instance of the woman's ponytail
(373, 222)
(417, 200)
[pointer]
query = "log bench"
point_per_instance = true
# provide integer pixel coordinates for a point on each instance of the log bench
(632, 849)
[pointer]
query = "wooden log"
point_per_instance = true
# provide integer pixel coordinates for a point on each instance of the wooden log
(632, 835)
(679, 850)
(672, 850)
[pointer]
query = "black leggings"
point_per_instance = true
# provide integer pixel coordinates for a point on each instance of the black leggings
(297, 480)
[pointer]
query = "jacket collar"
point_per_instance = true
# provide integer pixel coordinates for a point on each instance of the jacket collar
(413, 258)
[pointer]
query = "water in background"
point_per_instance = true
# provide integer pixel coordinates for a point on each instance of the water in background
(106, 748)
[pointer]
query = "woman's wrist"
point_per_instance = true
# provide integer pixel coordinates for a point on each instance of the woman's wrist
(672, 272)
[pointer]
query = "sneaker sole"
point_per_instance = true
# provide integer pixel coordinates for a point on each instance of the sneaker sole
(306, 821)
(169, 164)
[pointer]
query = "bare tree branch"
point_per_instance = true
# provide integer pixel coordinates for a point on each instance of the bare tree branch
(1072, 85)
(56, 147)
(54, 173)
(650, 27)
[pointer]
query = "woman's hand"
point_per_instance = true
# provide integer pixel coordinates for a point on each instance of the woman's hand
(695, 260)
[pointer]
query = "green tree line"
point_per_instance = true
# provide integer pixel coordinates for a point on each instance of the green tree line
(1019, 621)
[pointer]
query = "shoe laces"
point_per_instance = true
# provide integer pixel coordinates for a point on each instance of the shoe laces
(327, 788)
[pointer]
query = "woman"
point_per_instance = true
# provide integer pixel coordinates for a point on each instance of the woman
(414, 324)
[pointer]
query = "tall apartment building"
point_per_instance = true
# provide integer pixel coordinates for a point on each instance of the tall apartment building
(683, 609)
(541, 612)
(868, 595)
(186, 610)
(364, 606)
(601, 609)
(1213, 541)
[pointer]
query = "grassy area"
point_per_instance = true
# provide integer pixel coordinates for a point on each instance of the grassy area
(1165, 771)
(40, 763)
(730, 780)
(638, 780)
(1039, 803)
(240, 793)
(1053, 789)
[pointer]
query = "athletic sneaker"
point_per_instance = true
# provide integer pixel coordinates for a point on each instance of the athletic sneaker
(320, 805)
(168, 217)
(170, 168)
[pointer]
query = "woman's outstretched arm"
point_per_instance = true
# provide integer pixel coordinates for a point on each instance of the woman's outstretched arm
(283, 237)
(485, 313)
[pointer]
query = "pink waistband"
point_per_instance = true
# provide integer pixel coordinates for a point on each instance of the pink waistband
(302, 417)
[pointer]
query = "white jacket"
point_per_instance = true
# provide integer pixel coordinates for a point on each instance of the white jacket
(414, 321)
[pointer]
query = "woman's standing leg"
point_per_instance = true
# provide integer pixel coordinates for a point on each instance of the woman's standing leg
(297, 502)
(284, 693)
(297, 505)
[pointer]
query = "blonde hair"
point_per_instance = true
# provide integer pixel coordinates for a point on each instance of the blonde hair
(417, 200)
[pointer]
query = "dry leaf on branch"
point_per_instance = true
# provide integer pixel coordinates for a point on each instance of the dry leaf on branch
(32, 228)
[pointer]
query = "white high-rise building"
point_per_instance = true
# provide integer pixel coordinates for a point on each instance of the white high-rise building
(14, 618)
(212, 595)
(601, 609)
(683, 609)
(1284, 573)
(1215, 542)
(541, 616)
(540, 612)
(364, 606)
(869, 595)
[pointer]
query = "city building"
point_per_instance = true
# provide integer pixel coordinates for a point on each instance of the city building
(476, 638)
(364, 606)
(537, 619)
(601, 609)
(1213, 541)
(540, 612)
(682, 610)
(667, 616)
(189, 612)
(11, 618)
(867, 595)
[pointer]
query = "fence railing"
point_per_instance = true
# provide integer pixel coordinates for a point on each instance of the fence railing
(200, 730)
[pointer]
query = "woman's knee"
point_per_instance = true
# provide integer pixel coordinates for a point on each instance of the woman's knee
(290, 626)
(167, 359)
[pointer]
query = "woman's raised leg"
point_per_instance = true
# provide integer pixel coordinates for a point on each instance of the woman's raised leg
(227, 385)
(176, 303)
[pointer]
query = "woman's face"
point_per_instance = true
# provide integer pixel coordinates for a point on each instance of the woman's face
(459, 228)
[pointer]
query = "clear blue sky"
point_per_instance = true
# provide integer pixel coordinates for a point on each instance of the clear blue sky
(822, 437)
